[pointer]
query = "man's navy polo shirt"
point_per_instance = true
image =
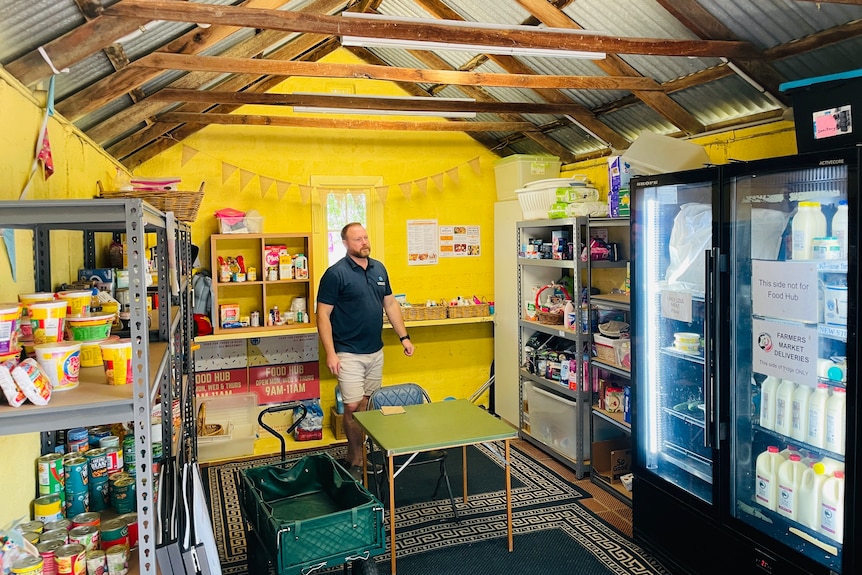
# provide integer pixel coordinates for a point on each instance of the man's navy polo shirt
(357, 296)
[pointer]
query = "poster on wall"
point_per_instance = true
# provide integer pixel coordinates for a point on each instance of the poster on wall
(221, 382)
(283, 383)
(422, 244)
(459, 241)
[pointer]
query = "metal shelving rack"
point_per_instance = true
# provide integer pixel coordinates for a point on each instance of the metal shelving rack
(163, 368)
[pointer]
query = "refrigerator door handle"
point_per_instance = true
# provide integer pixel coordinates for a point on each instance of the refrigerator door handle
(711, 272)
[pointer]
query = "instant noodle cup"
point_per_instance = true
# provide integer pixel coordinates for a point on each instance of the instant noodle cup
(92, 328)
(10, 316)
(10, 360)
(47, 320)
(77, 302)
(33, 381)
(91, 351)
(61, 360)
(117, 358)
(14, 396)
(26, 299)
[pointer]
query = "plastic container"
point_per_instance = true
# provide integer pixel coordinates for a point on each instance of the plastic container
(535, 202)
(836, 421)
(768, 391)
(766, 469)
(515, 171)
(237, 414)
(810, 498)
(300, 267)
(652, 153)
(783, 406)
(47, 320)
(817, 416)
(808, 223)
(61, 360)
(89, 328)
(554, 421)
(77, 302)
(832, 507)
(10, 316)
(839, 227)
(799, 412)
(570, 318)
(117, 359)
(33, 381)
(828, 466)
(789, 481)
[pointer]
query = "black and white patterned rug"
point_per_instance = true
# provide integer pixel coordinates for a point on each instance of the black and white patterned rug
(553, 531)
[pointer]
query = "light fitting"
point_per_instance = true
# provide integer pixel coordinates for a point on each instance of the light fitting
(411, 106)
(416, 44)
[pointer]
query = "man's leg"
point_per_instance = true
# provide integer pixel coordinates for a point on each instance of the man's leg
(354, 433)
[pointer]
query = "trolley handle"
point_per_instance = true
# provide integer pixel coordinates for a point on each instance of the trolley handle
(283, 407)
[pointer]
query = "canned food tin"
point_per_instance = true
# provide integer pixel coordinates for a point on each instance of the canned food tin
(86, 535)
(31, 536)
(100, 494)
(131, 520)
(46, 551)
(75, 469)
(77, 439)
(114, 532)
(59, 524)
(90, 518)
(29, 565)
(97, 459)
(77, 502)
(123, 497)
(70, 559)
(255, 319)
(97, 563)
(129, 454)
(50, 470)
(109, 441)
(118, 559)
(97, 433)
(48, 508)
(115, 459)
(54, 535)
(30, 527)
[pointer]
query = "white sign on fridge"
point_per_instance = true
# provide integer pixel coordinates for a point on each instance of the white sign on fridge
(786, 290)
(784, 350)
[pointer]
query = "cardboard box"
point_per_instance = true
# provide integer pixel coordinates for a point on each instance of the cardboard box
(336, 423)
(612, 458)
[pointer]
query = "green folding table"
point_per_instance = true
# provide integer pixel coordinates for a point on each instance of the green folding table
(436, 425)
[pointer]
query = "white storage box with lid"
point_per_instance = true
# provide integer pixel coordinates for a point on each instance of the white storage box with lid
(237, 414)
(554, 421)
(512, 172)
(652, 154)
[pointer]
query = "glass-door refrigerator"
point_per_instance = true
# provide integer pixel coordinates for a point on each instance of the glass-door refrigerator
(746, 439)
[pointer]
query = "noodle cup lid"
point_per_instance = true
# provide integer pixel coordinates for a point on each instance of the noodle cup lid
(13, 307)
(35, 297)
(117, 344)
(56, 303)
(75, 293)
(91, 319)
(68, 346)
(33, 381)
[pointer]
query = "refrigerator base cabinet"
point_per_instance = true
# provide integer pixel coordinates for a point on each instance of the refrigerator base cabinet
(688, 542)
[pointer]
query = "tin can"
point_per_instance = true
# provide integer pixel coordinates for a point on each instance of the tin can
(97, 459)
(100, 494)
(59, 524)
(31, 536)
(54, 535)
(255, 319)
(131, 520)
(30, 527)
(123, 496)
(77, 502)
(48, 508)
(97, 563)
(129, 454)
(70, 559)
(97, 433)
(114, 532)
(89, 518)
(115, 459)
(29, 565)
(77, 439)
(76, 472)
(50, 471)
(46, 551)
(109, 440)
(118, 559)
(86, 535)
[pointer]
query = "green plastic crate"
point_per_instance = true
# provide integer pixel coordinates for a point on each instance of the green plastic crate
(311, 512)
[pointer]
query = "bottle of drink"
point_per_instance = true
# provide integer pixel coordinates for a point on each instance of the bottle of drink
(789, 481)
(828, 466)
(768, 390)
(832, 507)
(817, 416)
(836, 420)
(570, 318)
(808, 223)
(783, 406)
(810, 498)
(799, 412)
(839, 227)
(766, 469)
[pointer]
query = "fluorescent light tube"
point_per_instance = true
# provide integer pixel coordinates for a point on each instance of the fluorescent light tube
(411, 44)
(379, 112)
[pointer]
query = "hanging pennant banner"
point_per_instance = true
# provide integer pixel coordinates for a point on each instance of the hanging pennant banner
(227, 171)
(453, 175)
(406, 189)
(245, 178)
(382, 193)
(265, 185)
(474, 163)
(282, 188)
(422, 185)
(305, 193)
(188, 154)
(438, 181)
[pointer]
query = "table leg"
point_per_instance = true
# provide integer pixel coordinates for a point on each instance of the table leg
(392, 511)
(509, 495)
(464, 470)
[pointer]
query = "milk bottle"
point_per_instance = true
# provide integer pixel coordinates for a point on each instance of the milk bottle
(768, 390)
(836, 420)
(766, 470)
(808, 223)
(789, 481)
(810, 498)
(783, 401)
(828, 466)
(832, 507)
(817, 416)
(790, 450)
(799, 412)
(839, 227)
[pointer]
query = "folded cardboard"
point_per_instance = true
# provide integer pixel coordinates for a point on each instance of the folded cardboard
(612, 458)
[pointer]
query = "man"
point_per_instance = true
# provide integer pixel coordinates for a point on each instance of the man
(351, 298)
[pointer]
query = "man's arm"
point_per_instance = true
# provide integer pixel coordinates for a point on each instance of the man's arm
(324, 331)
(393, 312)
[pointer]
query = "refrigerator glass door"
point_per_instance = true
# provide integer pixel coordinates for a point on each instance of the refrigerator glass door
(788, 294)
(673, 243)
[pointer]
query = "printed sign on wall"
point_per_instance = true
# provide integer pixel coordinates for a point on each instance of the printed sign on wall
(283, 383)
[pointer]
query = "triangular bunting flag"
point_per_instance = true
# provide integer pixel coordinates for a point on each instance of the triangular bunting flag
(188, 154)
(453, 175)
(321, 193)
(265, 185)
(282, 188)
(305, 194)
(227, 171)
(245, 177)
(438, 181)
(422, 185)
(382, 193)
(406, 189)
(45, 156)
(474, 163)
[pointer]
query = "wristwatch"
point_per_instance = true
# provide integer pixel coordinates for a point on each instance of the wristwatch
(403, 337)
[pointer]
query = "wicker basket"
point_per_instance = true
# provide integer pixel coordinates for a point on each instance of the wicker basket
(184, 204)
(421, 312)
(549, 318)
(473, 310)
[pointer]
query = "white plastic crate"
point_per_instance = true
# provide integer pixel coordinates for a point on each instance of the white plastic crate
(237, 414)
(554, 420)
(535, 202)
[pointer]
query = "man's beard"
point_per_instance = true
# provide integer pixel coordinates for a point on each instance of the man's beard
(360, 254)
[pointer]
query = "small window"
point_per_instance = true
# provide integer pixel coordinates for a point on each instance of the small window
(343, 207)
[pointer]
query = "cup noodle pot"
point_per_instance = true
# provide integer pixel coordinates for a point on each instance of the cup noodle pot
(62, 362)
(47, 320)
(10, 316)
(91, 351)
(117, 358)
(77, 302)
(90, 328)
(26, 299)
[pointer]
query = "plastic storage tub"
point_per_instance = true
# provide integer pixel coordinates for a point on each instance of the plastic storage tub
(554, 421)
(512, 172)
(653, 154)
(237, 414)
